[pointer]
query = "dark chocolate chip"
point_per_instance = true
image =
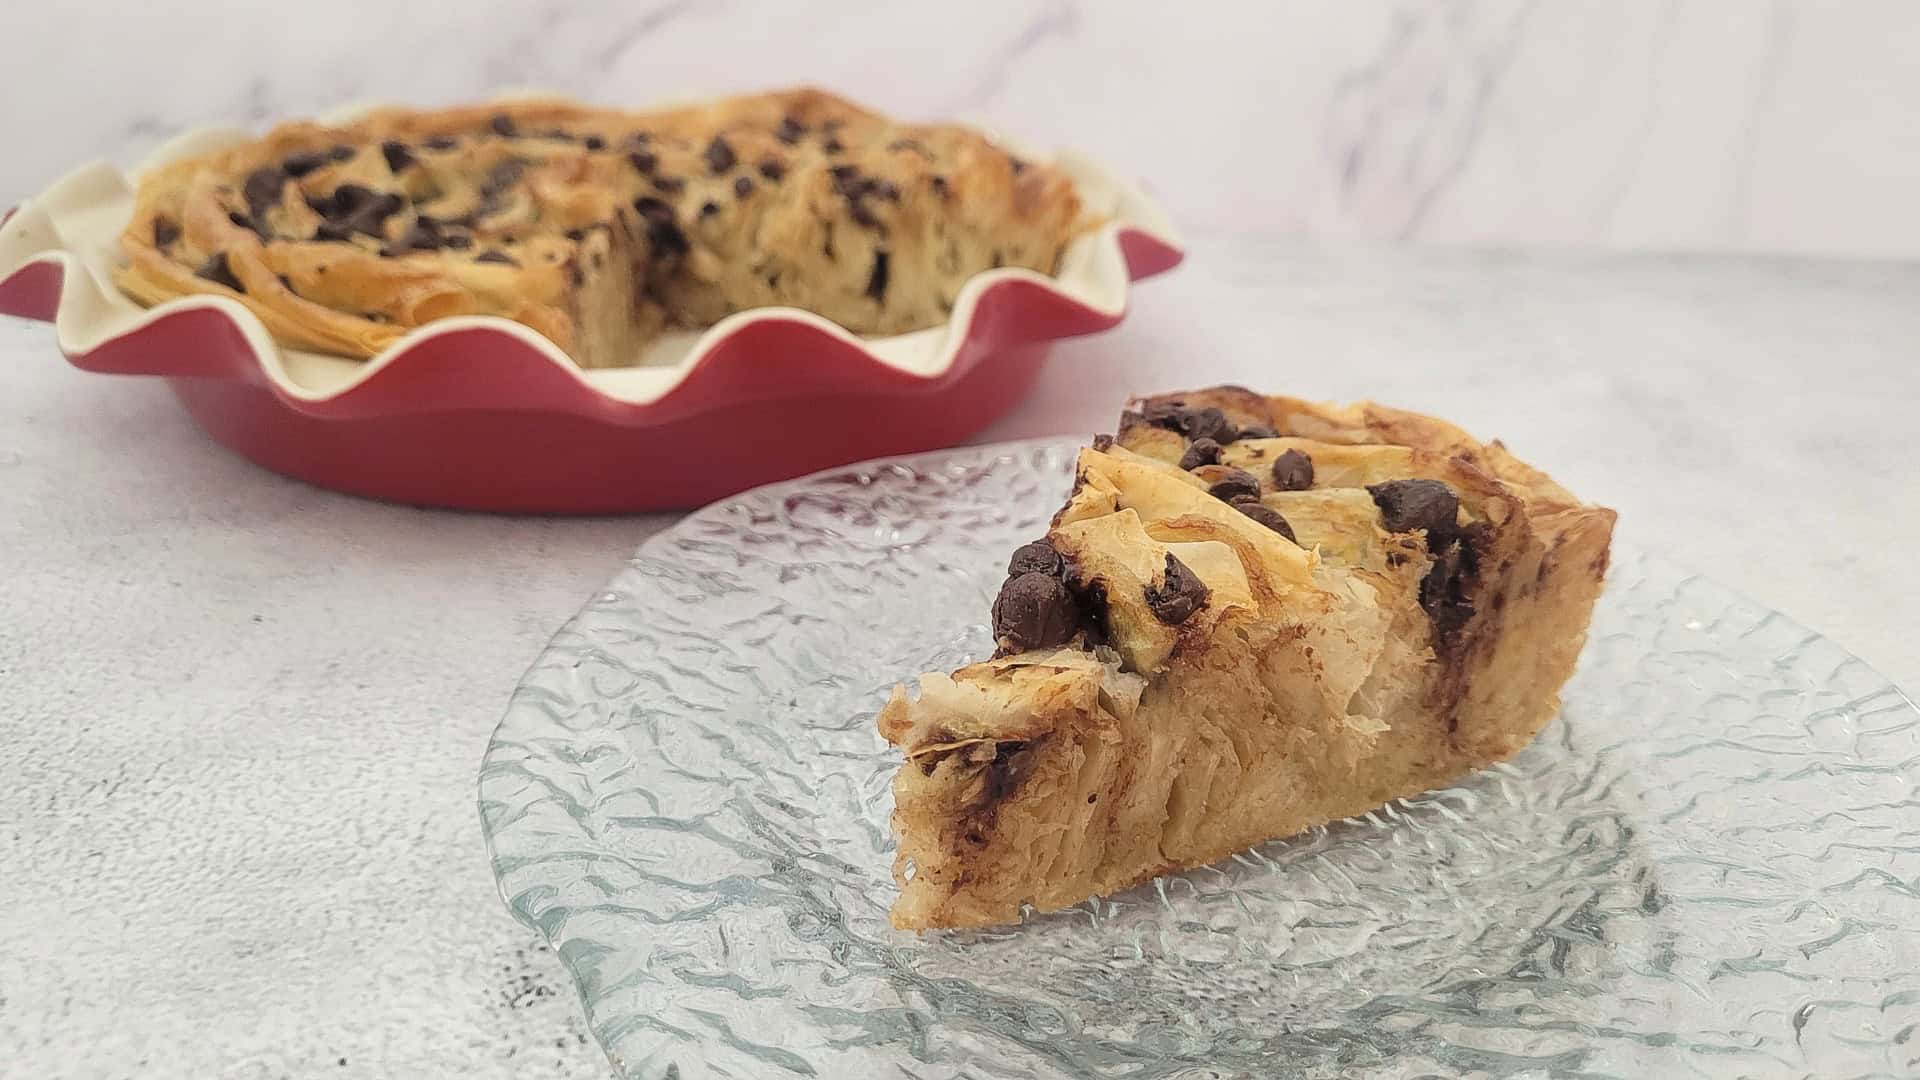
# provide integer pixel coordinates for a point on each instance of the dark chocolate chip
(251, 224)
(457, 241)
(262, 189)
(496, 256)
(342, 152)
(1406, 505)
(165, 232)
(1103, 443)
(1236, 484)
(216, 270)
(594, 142)
(669, 185)
(1258, 431)
(863, 216)
(772, 169)
(301, 162)
(502, 176)
(502, 124)
(720, 156)
(742, 187)
(1039, 557)
(397, 155)
(333, 232)
(790, 130)
(877, 277)
(576, 235)
(833, 145)
(709, 208)
(1292, 471)
(1265, 515)
(1178, 596)
(1166, 414)
(1211, 423)
(645, 161)
(1202, 452)
(663, 231)
(940, 187)
(441, 142)
(423, 236)
(1034, 611)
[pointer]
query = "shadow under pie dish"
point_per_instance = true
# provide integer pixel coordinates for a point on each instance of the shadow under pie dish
(843, 284)
(1254, 615)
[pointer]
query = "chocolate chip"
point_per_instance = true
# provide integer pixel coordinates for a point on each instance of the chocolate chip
(1103, 443)
(877, 277)
(262, 189)
(397, 155)
(301, 162)
(250, 224)
(863, 216)
(423, 236)
(790, 130)
(1236, 484)
(342, 152)
(1258, 431)
(496, 256)
(1292, 471)
(833, 145)
(576, 235)
(1166, 414)
(720, 156)
(1039, 557)
(663, 231)
(333, 232)
(1447, 591)
(1019, 166)
(441, 142)
(709, 208)
(502, 124)
(502, 176)
(772, 169)
(1177, 597)
(1202, 452)
(940, 187)
(645, 161)
(457, 241)
(1406, 505)
(216, 270)
(1211, 423)
(1034, 611)
(669, 185)
(1265, 515)
(742, 187)
(165, 232)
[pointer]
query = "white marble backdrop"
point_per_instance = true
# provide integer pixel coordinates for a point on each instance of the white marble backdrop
(1727, 125)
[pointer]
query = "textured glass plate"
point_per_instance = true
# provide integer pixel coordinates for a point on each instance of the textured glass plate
(1708, 865)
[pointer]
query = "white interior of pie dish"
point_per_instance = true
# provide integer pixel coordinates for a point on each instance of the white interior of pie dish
(77, 221)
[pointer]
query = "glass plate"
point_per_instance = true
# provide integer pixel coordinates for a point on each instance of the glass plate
(1708, 865)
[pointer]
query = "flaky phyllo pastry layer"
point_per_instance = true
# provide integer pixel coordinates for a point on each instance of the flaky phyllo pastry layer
(596, 227)
(1254, 615)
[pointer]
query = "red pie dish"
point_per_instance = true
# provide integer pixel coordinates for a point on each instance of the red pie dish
(483, 413)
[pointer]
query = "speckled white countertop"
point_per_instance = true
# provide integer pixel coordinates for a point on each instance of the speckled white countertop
(240, 718)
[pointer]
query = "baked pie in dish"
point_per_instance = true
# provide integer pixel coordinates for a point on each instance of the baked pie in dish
(596, 227)
(1254, 615)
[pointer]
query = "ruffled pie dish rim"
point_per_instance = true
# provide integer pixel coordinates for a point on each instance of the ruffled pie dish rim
(57, 249)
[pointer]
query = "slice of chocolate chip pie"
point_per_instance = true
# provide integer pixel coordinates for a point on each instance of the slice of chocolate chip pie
(1254, 615)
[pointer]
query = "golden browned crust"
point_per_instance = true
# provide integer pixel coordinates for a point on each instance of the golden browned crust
(1404, 617)
(596, 227)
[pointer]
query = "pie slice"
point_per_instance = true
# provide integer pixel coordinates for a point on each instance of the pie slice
(599, 228)
(1254, 615)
